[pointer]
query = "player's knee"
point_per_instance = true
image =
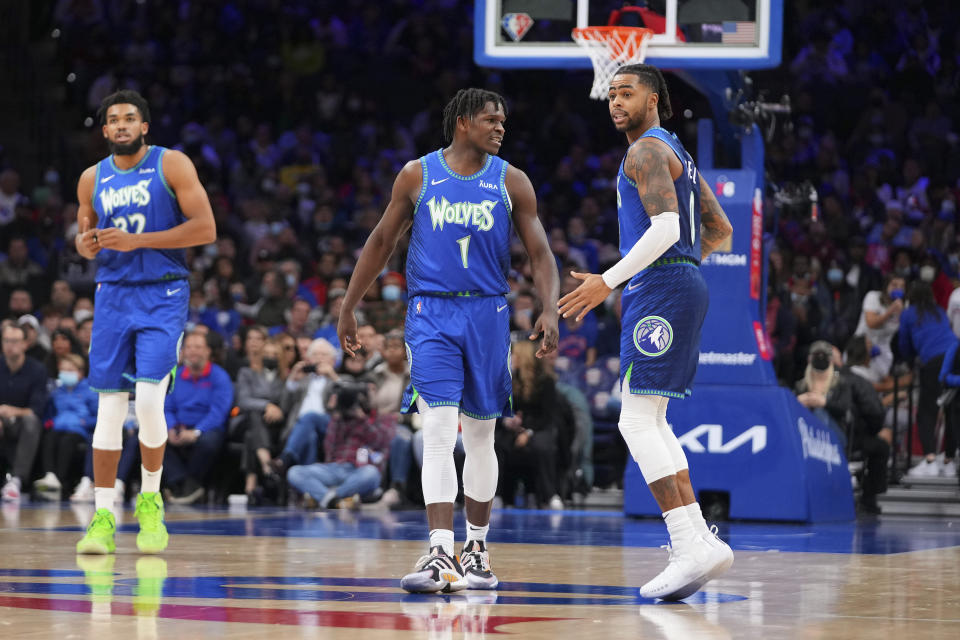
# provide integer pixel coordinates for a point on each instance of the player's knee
(439, 430)
(477, 434)
(111, 413)
(639, 427)
(150, 415)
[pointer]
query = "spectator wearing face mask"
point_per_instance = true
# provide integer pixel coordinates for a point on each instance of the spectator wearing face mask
(259, 393)
(390, 310)
(823, 391)
(926, 335)
(71, 416)
(931, 273)
(840, 306)
(880, 320)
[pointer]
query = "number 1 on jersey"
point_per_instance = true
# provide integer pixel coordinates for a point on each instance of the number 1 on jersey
(464, 243)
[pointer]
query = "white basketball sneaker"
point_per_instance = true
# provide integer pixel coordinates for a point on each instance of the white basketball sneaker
(688, 569)
(435, 572)
(475, 560)
(720, 553)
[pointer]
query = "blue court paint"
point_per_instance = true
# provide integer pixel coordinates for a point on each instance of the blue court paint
(320, 589)
(40, 573)
(581, 528)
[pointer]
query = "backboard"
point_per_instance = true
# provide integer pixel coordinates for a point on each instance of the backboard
(688, 34)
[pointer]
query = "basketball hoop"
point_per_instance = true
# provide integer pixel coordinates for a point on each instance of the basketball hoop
(609, 49)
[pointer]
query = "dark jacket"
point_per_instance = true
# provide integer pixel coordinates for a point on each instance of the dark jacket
(866, 408)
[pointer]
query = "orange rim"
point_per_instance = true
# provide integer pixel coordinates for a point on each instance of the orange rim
(617, 37)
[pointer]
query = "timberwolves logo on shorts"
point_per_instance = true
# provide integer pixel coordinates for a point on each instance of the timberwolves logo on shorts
(653, 336)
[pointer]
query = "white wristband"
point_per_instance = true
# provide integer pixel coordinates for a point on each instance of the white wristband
(663, 232)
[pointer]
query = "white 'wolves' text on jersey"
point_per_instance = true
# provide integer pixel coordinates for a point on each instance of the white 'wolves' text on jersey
(137, 200)
(460, 239)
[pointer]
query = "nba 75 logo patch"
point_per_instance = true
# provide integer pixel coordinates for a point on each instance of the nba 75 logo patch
(653, 336)
(516, 25)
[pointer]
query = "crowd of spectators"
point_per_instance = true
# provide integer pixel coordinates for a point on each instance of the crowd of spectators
(298, 116)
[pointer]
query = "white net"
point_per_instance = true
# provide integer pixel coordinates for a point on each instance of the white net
(609, 49)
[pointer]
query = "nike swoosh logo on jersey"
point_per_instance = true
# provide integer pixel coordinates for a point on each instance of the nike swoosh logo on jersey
(438, 181)
(499, 309)
(108, 178)
(632, 287)
(170, 293)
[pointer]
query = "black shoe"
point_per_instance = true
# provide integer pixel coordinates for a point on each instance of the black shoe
(870, 507)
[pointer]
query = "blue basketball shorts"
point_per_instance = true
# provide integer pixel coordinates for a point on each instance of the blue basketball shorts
(663, 313)
(137, 331)
(459, 354)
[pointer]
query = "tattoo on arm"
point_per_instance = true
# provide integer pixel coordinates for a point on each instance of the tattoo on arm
(648, 164)
(714, 225)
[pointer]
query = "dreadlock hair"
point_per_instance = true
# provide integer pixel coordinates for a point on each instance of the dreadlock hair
(651, 76)
(466, 104)
(124, 96)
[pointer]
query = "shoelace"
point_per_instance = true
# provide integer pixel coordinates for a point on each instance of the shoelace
(475, 560)
(441, 562)
(100, 520)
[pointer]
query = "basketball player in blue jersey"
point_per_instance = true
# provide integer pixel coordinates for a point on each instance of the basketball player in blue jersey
(461, 203)
(139, 208)
(669, 222)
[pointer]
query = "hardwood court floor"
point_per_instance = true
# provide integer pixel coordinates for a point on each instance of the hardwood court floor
(572, 574)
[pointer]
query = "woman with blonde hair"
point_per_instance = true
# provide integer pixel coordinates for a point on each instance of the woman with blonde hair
(823, 391)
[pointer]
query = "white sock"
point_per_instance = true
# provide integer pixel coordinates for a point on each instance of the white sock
(150, 480)
(103, 498)
(679, 526)
(696, 517)
(477, 533)
(442, 538)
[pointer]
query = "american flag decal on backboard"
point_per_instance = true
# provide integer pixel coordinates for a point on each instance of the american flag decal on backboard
(739, 33)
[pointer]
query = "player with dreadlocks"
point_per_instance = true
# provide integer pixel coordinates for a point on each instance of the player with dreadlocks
(669, 222)
(460, 204)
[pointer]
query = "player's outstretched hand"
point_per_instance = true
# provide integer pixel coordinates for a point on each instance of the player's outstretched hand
(87, 240)
(117, 239)
(591, 292)
(546, 325)
(347, 332)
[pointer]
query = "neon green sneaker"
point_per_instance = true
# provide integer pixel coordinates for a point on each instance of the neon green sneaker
(99, 537)
(153, 535)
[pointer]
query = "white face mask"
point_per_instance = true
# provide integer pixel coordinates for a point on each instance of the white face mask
(928, 273)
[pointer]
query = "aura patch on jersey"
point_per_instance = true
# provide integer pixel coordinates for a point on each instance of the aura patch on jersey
(653, 336)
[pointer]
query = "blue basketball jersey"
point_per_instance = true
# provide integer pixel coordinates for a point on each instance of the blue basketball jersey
(634, 220)
(460, 239)
(137, 200)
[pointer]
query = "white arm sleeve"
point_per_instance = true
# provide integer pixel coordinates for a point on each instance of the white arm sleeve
(663, 232)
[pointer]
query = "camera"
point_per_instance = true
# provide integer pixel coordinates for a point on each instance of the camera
(310, 368)
(347, 395)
